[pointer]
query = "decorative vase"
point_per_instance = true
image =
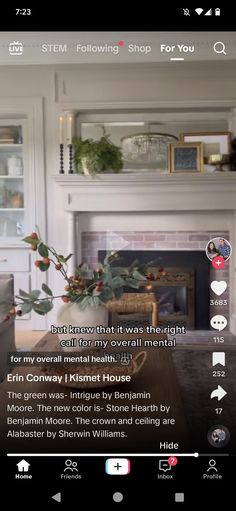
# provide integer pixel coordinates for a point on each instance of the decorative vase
(85, 167)
(17, 200)
(90, 166)
(71, 316)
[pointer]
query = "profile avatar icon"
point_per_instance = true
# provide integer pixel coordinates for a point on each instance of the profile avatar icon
(218, 436)
(218, 247)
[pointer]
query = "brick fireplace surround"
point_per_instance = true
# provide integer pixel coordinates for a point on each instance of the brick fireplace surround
(156, 241)
(152, 212)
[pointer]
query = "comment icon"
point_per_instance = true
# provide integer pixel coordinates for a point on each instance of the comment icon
(218, 322)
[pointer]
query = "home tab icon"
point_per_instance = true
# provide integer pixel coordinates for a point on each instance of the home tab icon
(23, 466)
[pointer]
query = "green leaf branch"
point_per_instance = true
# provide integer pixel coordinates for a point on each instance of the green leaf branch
(87, 287)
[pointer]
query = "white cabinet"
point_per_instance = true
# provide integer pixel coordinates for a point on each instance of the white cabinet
(12, 179)
(22, 193)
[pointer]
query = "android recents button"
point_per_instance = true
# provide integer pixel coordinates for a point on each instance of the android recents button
(117, 496)
(179, 497)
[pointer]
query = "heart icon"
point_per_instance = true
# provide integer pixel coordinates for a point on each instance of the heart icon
(218, 287)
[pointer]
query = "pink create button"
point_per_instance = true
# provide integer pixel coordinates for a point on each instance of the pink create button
(117, 466)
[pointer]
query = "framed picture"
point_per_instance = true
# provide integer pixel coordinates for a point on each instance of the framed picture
(215, 142)
(186, 157)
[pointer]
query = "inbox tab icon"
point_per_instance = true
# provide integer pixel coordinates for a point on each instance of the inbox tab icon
(16, 48)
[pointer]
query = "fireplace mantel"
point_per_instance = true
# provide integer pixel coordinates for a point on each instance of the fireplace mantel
(148, 191)
(161, 195)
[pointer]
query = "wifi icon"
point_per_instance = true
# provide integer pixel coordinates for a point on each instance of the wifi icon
(199, 10)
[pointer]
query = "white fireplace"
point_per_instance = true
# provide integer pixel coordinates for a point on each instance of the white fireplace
(150, 212)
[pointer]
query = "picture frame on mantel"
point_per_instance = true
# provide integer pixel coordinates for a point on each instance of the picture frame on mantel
(214, 142)
(185, 157)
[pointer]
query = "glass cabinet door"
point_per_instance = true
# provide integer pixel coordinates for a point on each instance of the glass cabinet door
(12, 177)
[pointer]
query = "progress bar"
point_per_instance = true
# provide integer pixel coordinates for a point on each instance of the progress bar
(106, 455)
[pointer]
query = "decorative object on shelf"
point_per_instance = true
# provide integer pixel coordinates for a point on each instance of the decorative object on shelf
(233, 155)
(7, 228)
(19, 138)
(2, 168)
(61, 136)
(19, 229)
(66, 130)
(5, 197)
(15, 166)
(96, 156)
(186, 157)
(17, 200)
(69, 128)
(70, 171)
(7, 141)
(11, 135)
(218, 160)
(61, 171)
(147, 150)
(7, 135)
(218, 142)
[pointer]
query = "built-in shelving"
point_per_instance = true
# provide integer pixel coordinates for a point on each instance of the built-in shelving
(12, 179)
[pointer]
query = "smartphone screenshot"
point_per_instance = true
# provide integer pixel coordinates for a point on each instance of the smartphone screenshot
(117, 259)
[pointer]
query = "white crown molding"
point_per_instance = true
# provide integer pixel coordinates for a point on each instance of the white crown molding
(79, 106)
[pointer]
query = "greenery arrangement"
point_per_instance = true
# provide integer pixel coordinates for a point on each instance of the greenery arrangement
(88, 287)
(94, 156)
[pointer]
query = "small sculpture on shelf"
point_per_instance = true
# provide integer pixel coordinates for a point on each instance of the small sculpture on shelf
(218, 160)
(233, 154)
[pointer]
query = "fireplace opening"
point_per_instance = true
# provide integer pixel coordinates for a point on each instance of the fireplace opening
(180, 282)
(174, 289)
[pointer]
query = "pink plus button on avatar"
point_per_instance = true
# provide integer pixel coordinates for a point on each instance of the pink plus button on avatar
(218, 262)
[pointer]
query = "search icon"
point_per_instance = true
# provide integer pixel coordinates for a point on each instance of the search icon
(219, 47)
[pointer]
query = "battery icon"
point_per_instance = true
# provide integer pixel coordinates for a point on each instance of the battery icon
(217, 12)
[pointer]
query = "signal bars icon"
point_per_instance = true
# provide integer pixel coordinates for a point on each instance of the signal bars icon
(208, 13)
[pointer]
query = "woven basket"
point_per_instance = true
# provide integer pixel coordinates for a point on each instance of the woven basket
(115, 369)
(144, 303)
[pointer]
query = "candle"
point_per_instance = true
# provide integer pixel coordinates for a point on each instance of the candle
(69, 129)
(61, 130)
